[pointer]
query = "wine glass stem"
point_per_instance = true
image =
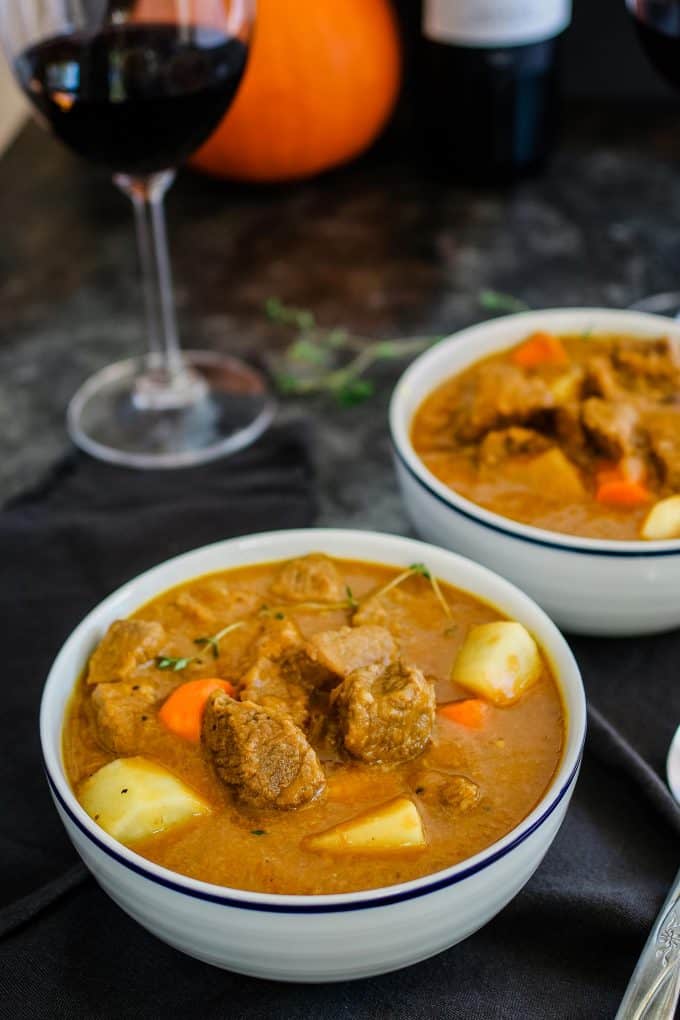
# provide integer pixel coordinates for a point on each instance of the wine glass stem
(167, 382)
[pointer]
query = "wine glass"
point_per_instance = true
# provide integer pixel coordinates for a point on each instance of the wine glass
(657, 23)
(137, 86)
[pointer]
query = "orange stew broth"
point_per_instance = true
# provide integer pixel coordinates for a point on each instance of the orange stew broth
(513, 758)
(501, 488)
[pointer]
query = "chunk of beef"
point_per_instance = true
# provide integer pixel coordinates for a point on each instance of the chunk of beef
(262, 755)
(611, 427)
(497, 446)
(122, 712)
(277, 637)
(349, 648)
(570, 432)
(457, 792)
(267, 684)
(126, 645)
(663, 433)
(385, 713)
(313, 578)
(649, 365)
(504, 395)
(285, 684)
(601, 379)
(214, 602)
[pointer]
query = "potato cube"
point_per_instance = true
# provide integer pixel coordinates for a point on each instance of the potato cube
(663, 520)
(553, 472)
(498, 661)
(393, 826)
(133, 798)
(567, 386)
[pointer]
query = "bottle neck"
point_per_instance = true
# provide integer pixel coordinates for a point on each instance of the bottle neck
(495, 23)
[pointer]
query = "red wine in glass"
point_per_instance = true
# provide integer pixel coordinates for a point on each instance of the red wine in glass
(137, 86)
(137, 98)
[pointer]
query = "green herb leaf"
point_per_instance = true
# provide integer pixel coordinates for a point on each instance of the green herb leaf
(174, 665)
(351, 601)
(278, 312)
(279, 616)
(306, 350)
(212, 642)
(336, 338)
(286, 383)
(421, 569)
(387, 349)
(354, 392)
(496, 301)
(258, 832)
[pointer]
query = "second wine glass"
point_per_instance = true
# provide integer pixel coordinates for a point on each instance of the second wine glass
(137, 86)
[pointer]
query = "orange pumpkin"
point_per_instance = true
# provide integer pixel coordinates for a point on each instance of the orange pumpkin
(321, 83)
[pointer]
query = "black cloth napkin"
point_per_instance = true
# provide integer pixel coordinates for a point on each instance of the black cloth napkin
(564, 948)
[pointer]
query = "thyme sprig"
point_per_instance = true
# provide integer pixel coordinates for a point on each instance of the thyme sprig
(336, 361)
(333, 361)
(416, 570)
(351, 604)
(212, 641)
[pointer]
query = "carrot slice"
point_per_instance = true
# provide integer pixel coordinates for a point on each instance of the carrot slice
(471, 712)
(630, 469)
(623, 493)
(182, 711)
(541, 349)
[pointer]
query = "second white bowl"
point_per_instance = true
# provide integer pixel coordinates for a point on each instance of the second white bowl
(588, 586)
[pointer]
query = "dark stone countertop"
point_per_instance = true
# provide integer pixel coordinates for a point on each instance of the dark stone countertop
(379, 247)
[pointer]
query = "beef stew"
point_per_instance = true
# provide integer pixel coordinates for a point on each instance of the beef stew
(314, 726)
(577, 434)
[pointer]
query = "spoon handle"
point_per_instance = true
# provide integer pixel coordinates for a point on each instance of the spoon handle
(654, 988)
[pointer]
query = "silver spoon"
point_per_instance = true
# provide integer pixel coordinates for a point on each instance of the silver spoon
(654, 988)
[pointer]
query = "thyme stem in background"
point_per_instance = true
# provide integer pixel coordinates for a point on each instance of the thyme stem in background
(336, 361)
(332, 361)
(505, 304)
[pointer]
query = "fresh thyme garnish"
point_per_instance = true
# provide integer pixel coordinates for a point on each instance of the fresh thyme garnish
(166, 662)
(440, 596)
(416, 570)
(495, 301)
(332, 361)
(174, 665)
(258, 832)
(351, 604)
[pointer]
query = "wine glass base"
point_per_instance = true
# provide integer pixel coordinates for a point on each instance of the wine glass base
(660, 304)
(106, 420)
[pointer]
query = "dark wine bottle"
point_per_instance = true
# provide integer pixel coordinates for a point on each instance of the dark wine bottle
(491, 85)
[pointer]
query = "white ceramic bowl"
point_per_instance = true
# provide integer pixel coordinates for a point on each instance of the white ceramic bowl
(314, 938)
(587, 585)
